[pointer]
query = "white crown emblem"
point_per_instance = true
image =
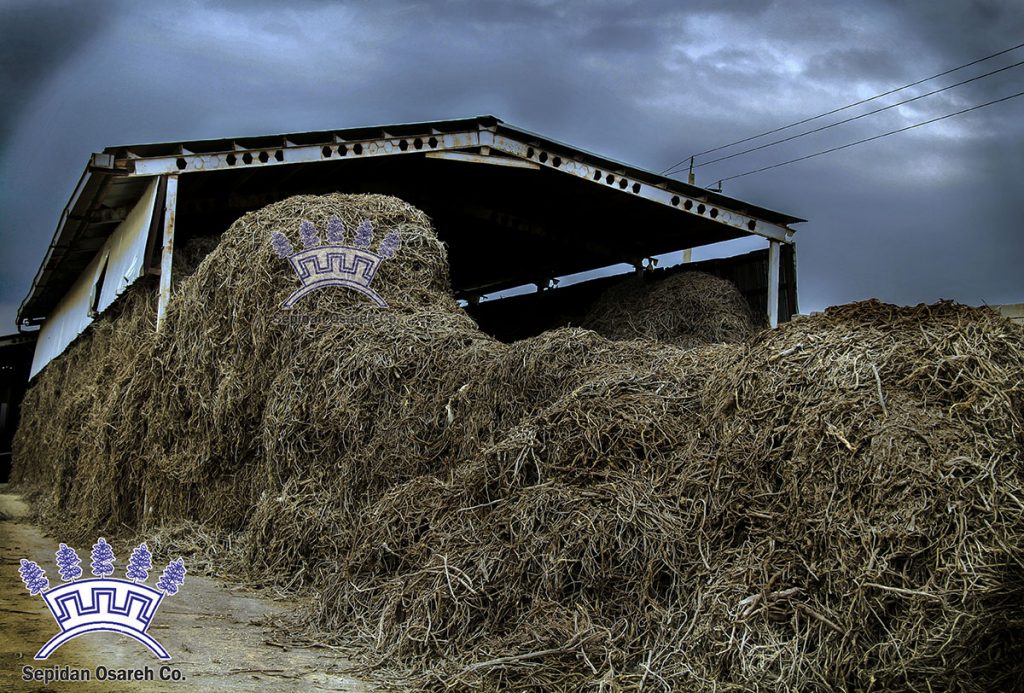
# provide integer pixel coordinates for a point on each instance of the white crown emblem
(334, 263)
(125, 606)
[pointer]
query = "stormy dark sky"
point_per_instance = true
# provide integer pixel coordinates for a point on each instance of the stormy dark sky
(937, 212)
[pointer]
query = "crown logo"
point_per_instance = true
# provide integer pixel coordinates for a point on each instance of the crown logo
(335, 263)
(105, 603)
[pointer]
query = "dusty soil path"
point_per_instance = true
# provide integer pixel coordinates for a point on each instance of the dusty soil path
(207, 628)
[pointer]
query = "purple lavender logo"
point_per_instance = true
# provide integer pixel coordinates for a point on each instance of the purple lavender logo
(172, 577)
(140, 563)
(334, 263)
(102, 558)
(125, 606)
(69, 563)
(33, 576)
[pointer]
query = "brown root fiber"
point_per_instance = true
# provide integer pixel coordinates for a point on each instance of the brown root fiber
(687, 309)
(835, 504)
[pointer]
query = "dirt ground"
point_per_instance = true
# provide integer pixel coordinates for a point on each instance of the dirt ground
(208, 628)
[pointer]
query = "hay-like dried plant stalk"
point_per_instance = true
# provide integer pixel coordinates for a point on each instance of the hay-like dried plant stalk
(836, 504)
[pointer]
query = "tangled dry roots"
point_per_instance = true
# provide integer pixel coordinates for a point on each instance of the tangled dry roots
(687, 309)
(836, 504)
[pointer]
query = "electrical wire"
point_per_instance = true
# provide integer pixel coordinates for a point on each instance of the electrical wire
(843, 108)
(876, 137)
(858, 117)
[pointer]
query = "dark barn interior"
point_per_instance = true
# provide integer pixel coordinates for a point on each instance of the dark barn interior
(15, 360)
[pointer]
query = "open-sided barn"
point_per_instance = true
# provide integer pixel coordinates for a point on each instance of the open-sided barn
(514, 208)
(603, 486)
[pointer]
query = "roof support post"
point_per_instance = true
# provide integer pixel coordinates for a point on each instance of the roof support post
(773, 283)
(794, 302)
(167, 252)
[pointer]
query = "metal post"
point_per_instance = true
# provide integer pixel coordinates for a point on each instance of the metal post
(773, 283)
(167, 253)
(794, 296)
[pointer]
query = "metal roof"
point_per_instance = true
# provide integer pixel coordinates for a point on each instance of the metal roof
(596, 189)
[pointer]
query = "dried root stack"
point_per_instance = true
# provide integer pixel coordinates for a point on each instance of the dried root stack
(836, 504)
(688, 309)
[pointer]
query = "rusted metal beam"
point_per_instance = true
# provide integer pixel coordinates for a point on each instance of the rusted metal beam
(167, 252)
(615, 180)
(448, 145)
(794, 302)
(483, 159)
(773, 283)
(291, 153)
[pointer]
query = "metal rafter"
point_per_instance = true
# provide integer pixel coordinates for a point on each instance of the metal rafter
(533, 155)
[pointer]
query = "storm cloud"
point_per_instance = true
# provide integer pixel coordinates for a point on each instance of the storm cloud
(38, 39)
(931, 213)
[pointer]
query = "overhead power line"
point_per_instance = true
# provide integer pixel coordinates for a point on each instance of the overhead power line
(858, 117)
(876, 137)
(843, 108)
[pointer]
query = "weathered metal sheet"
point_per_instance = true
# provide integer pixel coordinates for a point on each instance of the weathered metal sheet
(127, 250)
(68, 319)
(118, 264)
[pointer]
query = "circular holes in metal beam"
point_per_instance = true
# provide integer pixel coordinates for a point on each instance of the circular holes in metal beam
(279, 155)
(700, 209)
(529, 152)
(264, 157)
(714, 212)
(675, 200)
(752, 224)
(688, 205)
(556, 162)
(432, 142)
(326, 152)
(609, 179)
(231, 159)
(636, 187)
(357, 149)
(404, 145)
(623, 183)
(597, 175)
(343, 150)
(247, 158)
(543, 157)
(181, 163)
(417, 143)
